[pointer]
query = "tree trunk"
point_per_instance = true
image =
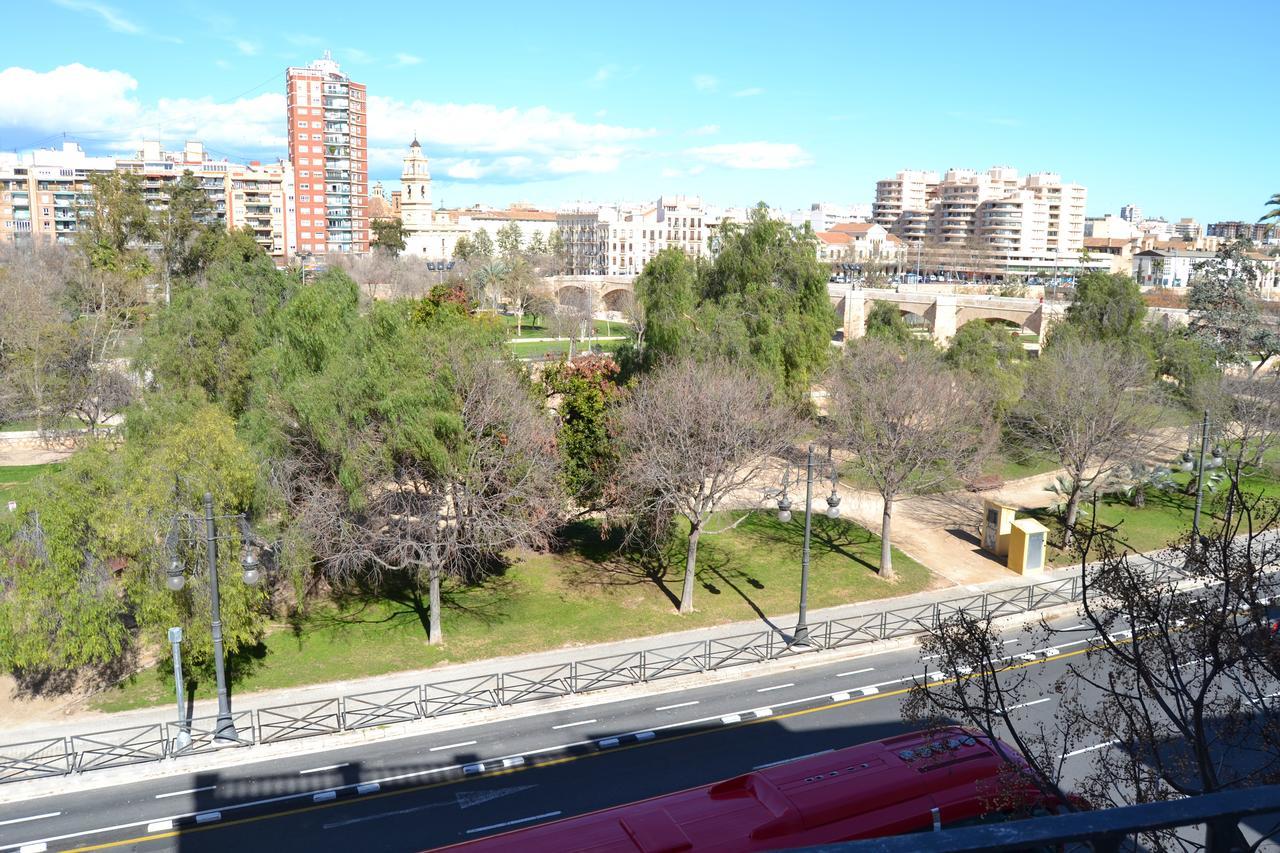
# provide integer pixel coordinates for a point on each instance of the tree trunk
(519, 317)
(886, 550)
(690, 564)
(434, 634)
(1073, 509)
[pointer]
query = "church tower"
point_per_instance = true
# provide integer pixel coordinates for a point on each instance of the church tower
(415, 196)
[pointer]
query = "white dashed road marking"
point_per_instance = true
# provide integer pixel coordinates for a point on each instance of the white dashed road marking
(322, 769)
(855, 672)
(188, 791)
(571, 725)
(32, 817)
(677, 705)
(1091, 748)
(451, 746)
(512, 822)
(1029, 704)
(775, 687)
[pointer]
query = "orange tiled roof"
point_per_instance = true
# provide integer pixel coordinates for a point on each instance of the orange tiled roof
(834, 238)
(854, 227)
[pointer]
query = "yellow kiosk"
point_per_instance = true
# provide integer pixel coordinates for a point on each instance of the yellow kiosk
(997, 520)
(1027, 540)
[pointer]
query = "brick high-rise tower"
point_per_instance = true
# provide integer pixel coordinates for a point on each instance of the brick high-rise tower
(329, 149)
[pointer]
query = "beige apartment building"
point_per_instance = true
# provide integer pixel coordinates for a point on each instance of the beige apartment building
(41, 194)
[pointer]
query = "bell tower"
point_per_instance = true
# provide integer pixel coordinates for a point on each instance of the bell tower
(415, 195)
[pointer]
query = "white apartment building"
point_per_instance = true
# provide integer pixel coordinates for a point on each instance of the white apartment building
(1111, 228)
(824, 216)
(620, 239)
(1167, 267)
(858, 242)
(904, 201)
(1023, 224)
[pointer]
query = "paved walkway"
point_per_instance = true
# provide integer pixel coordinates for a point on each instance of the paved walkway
(86, 722)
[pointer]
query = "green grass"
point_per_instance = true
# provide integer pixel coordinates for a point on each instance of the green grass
(31, 424)
(14, 480)
(587, 593)
(535, 349)
(1166, 517)
(531, 329)
(1014, 464)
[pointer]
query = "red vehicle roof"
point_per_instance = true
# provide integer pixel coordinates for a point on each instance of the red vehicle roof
(882, 788)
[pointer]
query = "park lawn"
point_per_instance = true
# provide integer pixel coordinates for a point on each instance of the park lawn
(14, 480)
(1014, 464)
(587, 593)
(539, 329)
(1166, 517)
(537, 349)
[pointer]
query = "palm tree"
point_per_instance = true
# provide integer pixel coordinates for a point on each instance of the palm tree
(1272, 216)
(488, 279)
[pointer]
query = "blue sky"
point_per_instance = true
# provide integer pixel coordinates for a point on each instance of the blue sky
(1168, 105)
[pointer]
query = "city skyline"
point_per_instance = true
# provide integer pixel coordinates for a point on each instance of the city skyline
(560, 107)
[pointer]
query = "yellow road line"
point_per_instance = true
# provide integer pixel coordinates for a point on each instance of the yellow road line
(564, 759)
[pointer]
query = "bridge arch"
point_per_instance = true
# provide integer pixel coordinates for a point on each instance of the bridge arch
(616, 298)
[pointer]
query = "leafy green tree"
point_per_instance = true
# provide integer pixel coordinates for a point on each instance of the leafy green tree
(182, 228)
(115, 224)
(388, 235)
(482, 243)
(84, 574)
(557, 249)
(60, 605)
(1107, 307)
(1224, 303)
(1182, 357)
(990, 353)
(582, 392)
(510, 238)
(537, 244)
(885, 323)
(666, 289)
(209, 336)
(464, 249)
(768, 273)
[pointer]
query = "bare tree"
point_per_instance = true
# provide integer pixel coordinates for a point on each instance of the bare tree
(522, 289)
(575, 317)
(1174, 694)
(1090, 404)
(689, 435)
(1244, 413)
(912, 424)
(33, 327)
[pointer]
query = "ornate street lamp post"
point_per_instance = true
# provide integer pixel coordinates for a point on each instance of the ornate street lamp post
(225, 729)
(784, 516)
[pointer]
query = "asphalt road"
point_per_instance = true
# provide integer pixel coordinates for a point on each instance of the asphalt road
(422, 792)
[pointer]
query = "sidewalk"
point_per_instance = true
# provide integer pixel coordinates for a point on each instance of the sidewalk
(89, 722)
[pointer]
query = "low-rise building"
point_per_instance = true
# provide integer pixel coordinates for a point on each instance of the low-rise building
(1258, 232)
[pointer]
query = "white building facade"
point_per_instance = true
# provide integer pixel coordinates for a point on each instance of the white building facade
(620, 239)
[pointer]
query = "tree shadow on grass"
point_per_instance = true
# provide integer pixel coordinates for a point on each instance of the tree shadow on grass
(397, 598)
(826, 535)
(602, 558)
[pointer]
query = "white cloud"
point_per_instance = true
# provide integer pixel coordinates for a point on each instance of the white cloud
(489, 129)
(754, 155)
(748, 93)
(355, 54)
(603, 74)
(246, 47)
(593, 161)
(303, 39)
(68, 97)
(705, 130)
(465, 141)
(408, 59)
(112, 18)
(705, 83)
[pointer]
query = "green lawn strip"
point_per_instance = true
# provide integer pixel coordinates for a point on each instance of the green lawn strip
(1166, 517)
(536, 349)
(31, 425)
(14, 480)
(535, 327)
(586, 594)
(1017, 464)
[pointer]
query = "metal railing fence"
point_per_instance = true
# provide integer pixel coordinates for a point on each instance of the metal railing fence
(158, 741)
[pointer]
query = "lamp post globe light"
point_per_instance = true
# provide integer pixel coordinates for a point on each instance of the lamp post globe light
(176, 580)
(1190, 463)
(784, 516)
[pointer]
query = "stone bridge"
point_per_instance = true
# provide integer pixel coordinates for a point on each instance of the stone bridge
(945, 313)
(612, 290)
